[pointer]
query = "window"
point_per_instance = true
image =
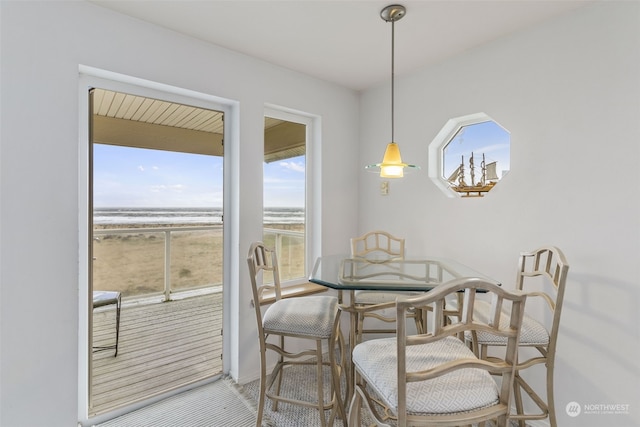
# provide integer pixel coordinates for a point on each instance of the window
(469, 156)
(285, 195)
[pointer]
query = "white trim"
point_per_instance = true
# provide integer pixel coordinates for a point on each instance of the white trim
(448, 131)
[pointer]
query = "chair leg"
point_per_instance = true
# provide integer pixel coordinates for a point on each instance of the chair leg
(502, 421)
(336, 370)
(359, 328)
(263, 386)
(517, 397)
(118, 308)
(354, 409)
(279, 370)
(551, 407)
(323, 421)
(420, 319)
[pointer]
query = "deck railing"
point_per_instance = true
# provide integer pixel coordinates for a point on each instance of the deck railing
(162, 260)
(290, 247)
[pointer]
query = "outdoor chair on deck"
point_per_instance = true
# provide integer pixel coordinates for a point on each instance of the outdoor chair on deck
(104, 298)
(433, 378)
(378, 246)
(312, 318)
(545, 272)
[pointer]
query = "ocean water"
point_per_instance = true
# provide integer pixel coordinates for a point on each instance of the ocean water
(185, 216)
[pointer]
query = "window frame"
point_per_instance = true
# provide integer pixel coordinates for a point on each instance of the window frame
(301, 285)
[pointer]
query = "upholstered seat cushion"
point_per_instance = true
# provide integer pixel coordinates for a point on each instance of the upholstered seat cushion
(532, 332)
(459, 391)
(379, 297)
(312, 316)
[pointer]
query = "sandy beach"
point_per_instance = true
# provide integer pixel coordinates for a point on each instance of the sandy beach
(131, 261)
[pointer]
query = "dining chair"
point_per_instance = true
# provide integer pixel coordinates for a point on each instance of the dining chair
(310, 318)
(434, 378)
(378, 246)
(542, 273)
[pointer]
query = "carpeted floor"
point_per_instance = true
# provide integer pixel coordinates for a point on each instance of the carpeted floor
(300, 381)
(224, 403)
(219, 404)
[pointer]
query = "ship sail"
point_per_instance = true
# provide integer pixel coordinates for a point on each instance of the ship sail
(491, 171)
(454, 176)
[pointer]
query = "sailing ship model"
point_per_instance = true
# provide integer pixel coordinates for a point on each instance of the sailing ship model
(488, 178)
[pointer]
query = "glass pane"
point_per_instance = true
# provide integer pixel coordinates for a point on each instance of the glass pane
(157, 185)
(194, 259)
(129, 262)
(284, 195)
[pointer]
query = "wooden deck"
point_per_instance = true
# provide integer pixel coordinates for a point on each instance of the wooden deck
(162, 346)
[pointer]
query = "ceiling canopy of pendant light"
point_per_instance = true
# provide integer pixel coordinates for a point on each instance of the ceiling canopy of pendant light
(392, 165)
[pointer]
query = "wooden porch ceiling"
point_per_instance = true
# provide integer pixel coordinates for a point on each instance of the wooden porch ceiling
(135, 121)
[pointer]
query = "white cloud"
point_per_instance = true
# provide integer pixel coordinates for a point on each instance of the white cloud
(294, 166)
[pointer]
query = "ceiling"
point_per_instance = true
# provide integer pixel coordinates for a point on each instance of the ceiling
(345, 42)
(135, 121)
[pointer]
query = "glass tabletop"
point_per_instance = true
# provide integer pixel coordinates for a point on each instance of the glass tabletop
(408, 274)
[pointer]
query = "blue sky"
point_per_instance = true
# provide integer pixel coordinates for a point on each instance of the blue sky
(284, 183)
(134, 177)
(486, 137)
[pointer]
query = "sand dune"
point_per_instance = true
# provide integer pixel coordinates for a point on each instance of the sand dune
(132, 262)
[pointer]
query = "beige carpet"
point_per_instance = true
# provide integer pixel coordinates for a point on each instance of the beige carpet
(223, 403)
(301, 381)
(219, 404)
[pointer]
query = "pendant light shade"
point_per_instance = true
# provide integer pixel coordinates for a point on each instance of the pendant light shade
(392, 165)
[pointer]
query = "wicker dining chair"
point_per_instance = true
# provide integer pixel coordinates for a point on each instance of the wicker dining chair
(434, 378)
(541, 273)
(310, 318)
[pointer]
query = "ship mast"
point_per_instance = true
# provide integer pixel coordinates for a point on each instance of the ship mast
(471, 170)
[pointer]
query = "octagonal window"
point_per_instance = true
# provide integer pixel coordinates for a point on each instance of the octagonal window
(469, 156)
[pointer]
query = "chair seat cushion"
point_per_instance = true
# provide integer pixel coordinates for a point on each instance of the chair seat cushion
(459, 391)
(379, 297)
(310, 316)
(533, 333)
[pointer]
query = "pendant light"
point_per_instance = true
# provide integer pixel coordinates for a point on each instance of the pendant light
(392, 165)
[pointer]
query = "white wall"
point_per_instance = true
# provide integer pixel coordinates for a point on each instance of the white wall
(569, 93)
(43, 44)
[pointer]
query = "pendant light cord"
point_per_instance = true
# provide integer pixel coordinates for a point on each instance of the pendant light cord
(393, 43)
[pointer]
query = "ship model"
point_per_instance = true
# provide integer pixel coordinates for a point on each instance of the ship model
(488, 178)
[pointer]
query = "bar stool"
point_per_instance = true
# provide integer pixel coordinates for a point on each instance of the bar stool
(101, 299)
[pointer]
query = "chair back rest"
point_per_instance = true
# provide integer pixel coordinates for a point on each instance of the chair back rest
(550, 264)
(498, 322)
(377, 244)
(263, 271)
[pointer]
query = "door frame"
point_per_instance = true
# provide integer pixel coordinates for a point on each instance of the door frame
(90, 77)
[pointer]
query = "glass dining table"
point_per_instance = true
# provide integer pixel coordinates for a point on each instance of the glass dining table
(344, 273)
